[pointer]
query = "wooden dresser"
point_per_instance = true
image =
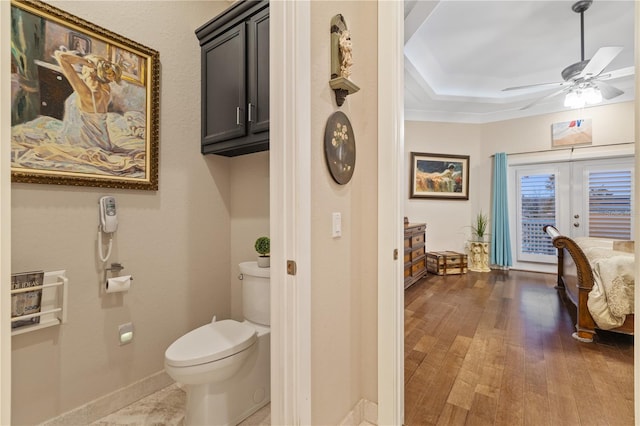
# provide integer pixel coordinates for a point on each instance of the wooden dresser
(415, 263)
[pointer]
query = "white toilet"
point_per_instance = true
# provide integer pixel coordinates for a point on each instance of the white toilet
(225, 365)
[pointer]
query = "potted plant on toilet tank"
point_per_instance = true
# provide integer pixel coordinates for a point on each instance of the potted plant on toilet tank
(262, 246)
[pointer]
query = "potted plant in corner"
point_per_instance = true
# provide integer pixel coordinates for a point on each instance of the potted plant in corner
(262, 246)
(479, 230)
(478, 247)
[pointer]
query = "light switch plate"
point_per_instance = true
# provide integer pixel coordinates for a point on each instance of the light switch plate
(336, 230)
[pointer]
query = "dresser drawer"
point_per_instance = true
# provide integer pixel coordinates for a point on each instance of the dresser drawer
(418, 267)
(417, 253)
(415, 264)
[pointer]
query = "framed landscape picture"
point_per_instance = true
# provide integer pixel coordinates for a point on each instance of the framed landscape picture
(571, 133)
(84, 102)
(439, 176)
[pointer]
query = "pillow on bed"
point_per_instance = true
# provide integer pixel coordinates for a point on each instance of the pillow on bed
(586, 243)
(596, 253)
(624, 245)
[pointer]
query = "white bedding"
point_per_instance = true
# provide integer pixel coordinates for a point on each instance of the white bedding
(612, 297)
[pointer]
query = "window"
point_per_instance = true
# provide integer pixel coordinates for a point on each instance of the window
(610, 204)
(536, 208)
(581, 198)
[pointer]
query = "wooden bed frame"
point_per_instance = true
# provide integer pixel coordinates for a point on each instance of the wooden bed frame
(575, 280)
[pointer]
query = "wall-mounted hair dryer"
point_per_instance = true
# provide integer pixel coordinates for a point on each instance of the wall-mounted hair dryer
(108, 223)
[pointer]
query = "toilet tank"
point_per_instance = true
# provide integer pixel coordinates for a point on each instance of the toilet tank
(256, 293)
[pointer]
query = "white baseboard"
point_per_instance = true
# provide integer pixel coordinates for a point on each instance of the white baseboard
(111, 402)
(363, 411)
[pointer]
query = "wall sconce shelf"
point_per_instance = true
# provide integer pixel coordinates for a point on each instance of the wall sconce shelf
(342, 88)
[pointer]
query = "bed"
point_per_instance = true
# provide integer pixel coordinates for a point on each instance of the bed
(602, 268)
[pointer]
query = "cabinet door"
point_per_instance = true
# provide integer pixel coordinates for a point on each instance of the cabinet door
(258, 55)
(223, 86)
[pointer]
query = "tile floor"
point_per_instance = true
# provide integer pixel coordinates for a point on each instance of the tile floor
(166, 407)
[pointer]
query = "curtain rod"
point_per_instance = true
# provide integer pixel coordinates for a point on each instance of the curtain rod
(566, 149)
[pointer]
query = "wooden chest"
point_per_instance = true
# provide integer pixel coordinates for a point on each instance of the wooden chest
(446, 262)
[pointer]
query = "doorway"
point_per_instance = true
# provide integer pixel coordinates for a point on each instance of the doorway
(587, 198)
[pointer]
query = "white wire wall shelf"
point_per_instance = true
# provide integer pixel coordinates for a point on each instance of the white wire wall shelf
(53, 309)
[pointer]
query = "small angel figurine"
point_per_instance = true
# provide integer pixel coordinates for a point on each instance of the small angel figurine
(346, 60)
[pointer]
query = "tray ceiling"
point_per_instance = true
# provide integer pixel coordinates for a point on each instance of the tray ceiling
(459, 55)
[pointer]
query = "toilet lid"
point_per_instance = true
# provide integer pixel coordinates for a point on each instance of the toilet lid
(210, 343)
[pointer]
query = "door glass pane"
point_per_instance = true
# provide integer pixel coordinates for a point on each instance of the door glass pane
(537, 208)
(610, 204)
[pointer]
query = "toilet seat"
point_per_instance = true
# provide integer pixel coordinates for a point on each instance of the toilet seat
(210, 342)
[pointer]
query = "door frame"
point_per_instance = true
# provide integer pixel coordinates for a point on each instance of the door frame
(290, 210)
(636, 217)
(5, 215)
(390, 212)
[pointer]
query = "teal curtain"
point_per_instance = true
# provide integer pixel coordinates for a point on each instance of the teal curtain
(500, 237)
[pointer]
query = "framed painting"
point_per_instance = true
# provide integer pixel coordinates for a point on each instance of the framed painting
(439, 176)
(84, 102)
(571, 133)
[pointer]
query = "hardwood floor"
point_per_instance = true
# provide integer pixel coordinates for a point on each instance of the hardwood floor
(496, 349)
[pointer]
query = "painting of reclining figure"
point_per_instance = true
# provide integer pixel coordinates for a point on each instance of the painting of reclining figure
(439, 176)
(83, 102)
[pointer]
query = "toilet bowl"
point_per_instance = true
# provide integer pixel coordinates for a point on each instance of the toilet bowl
(213, 352)
(225, 365)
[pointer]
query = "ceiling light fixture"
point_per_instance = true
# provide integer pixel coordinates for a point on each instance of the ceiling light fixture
(585, 81)
(580, 96)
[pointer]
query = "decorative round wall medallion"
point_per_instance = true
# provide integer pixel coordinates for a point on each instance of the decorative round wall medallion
(340, 147)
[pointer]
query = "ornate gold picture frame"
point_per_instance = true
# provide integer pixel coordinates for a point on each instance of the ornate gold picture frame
(84, 102)
(440, 176)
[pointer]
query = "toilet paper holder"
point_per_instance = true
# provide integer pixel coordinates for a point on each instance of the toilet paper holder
(115, 269)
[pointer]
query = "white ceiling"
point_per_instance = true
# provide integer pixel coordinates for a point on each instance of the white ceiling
(459, 55)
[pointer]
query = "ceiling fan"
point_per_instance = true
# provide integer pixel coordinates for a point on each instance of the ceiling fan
(584, 81)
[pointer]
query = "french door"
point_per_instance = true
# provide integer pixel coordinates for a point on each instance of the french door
(581, 198)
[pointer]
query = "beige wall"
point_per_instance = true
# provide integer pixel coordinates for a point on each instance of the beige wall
(344, 285)
(448, 221)
(175, 242)
(249, 215)
(445, 219)
(612, 124)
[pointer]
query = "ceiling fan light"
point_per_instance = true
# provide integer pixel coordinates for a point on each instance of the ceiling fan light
(593, 95)
(574, 100)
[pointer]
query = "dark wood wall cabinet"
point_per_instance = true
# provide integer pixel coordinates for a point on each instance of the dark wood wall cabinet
(415, 266)
(235, 80)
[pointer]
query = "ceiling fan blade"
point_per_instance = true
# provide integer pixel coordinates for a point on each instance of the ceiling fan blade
(607, 90)
(599, 62)
(560, 83)
(619, 73)
(551, 95)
